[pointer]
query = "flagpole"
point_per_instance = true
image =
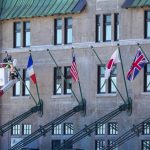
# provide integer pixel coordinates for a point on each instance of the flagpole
(96, 55)
(62, 73)
(37, 89)
(25, 85)
(143, 51)
(111, 72)
(79, 81)
(118, 45)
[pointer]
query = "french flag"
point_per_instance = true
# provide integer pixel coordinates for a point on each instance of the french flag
(30, 70)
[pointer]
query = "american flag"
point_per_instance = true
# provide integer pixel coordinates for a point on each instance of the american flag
(73, 69)
(139, 61)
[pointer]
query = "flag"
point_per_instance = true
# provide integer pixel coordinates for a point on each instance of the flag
(113, 60)
(139, 62)
(73, 69)
(30, 70)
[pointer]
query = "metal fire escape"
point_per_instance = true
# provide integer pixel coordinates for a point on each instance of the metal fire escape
(134, 131)
(88, 129)
(49, 126)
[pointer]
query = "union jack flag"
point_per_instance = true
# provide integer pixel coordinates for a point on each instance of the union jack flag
(139, 62)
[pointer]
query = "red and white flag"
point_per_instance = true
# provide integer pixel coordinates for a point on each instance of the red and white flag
(113, 60)
(73, 69)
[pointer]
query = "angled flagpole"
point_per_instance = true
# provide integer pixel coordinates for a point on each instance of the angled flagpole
(111, 72)
(22, 81)
(78, 78)
(35, 82)
(25, 85)
(143, 51)
(118, 45)
(62, 74)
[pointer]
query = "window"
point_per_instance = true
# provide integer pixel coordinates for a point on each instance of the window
(55, 143)
(26, 40)
(106, 86)
(58, 31)
(15, 130)
(110, 143)
(68, 82)
(107, 28)
(27, 83)
(145, 144)
(26, 129)
(19, 89)
(57, 129)
(98, 28)
(60, 84)
(20, 28)
(147, 78)
(116, 29)
(68, 30)
(146, 128)
(57, 81)
(100, 129)
(99, 144)
(112, 81)
(17, 34)
(101, 80)
(68, 128)
(113, 128)
(147, 24)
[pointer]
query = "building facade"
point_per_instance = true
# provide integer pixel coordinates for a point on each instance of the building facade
(61, 27)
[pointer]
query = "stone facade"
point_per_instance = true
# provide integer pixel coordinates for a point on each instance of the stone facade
(42, 38)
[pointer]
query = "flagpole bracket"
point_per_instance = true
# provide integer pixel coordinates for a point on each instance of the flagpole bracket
(83, 107)
(40, 107)
(129, 106)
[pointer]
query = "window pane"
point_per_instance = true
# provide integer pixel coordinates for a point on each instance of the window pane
(101, 80)
(145, 145)
(113, 128)
(147, 78)
(57, 129)
(102, 85)
(18, 90)
(57, 81)
(27, 129)
(58, 31)
(16, 130)
(111, 143)
(68, 82)
(17, 34)
(100, 129)
(59, 36)
(28, 85)
(18, 39)
(148, 68)
(113, 88)
(68, 30)
(68, 128)
(146, 128)
(108, 32)
(148, 29)
(27, 39)
(99, 144)
(107, 28)
(98, 28)
(69, 36)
